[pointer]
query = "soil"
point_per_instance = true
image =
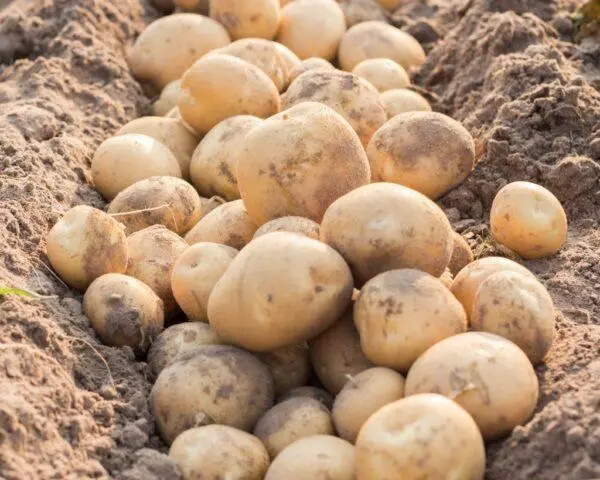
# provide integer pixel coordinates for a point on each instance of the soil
(71, 408)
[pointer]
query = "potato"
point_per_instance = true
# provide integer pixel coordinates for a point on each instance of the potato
(426, 151)
(281, 290)
(197, 6)
(216, 384)
(446, 278)
(228, 225)
(362, 396)
(424, 436)
(290, 58)
(311, 392)
(359, 11)
(214, 162)
(391, 5)
(402, 100)
(218, 451)
(123, 160)
(152, 254)
(301, 225)
(289, 367)
(384, 226)
(85, 244)
(349, 95)
(168, 98)
(314, 457)
(170, 45)
(292, 420)
(384, 74)
(312, 63)
(462, 254)
(528, 219)
(379, 40)
(124, 311)
(209, 204)
(487, 375)
(242, 19)
(217, 87)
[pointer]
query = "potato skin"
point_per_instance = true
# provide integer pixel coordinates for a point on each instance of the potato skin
(312, 63)
(242, 19)
(289, 367)
(403, 100)
(384, 74)
(290, 58)
(462, 255)
(167, 99)
(301, 225)
(311, 392)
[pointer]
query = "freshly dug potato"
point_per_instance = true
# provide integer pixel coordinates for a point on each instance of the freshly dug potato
(314, 457)
(289, 367)
(195, 6)
(152, 254)
(426, 151)
(209, 204)
(362, 396)
(462, 254)
(402, 100)
(242, 19)
(301, 225)
(292, 420)
(528, 219)
(424, 436)
(170, 45)
(168, 98)
(384, 226)
(359, 11)
(312, 63)
(281, 290)
(349, 95)
(85, 244)
(228, 225)
(124, 311)
(216, 384)
(384, 74)
(219, 451)
(487, 375)
(214, 162)
(123, 160)
(290, 58)
(379, 40)
(311, 392)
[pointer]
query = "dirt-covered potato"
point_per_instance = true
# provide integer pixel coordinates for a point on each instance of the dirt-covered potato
(243, 19)
(292, 420)
(289, 367)
(290, 58)
(195, 6)
(462, 254)
(219, 451)
(311, 392)
(384, 226)
(312, 63)
(423, 436)
(124, 311)
(379, 40)
(84, 244)
(362, 396)
(301, 225)
(487, 375)
(123, 160)
(359, 11)
(168, 98)
(216, 384)
(384, 74)
(170, 45)
(528, 219)
(281, 290)
(403, 100)
(209, 204)
(314, 457)
(349, 95)
(426, 151)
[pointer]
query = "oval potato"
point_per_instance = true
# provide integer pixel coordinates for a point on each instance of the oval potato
(243, 18)
(301, 225)
(289, 367)
(403, 100)
(168, 98)
(384, 74)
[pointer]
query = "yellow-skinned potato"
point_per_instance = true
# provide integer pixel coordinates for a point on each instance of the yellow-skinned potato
(487, 375)
(403, 100)
(171, 45)
(301, 225)
(462, 255)
(424, 436)
(242, 19)
(384, 74)
(307, 391)
(312, 63)
(359, 11)
(124, 311)
(290, 58)
(253, 306)
(289, 160)
(195, 6)
(426, 151)
(209, 204)
(85, 244)
(384, 226)
(126, 159)
(219, 451)
(168, 98)
(289, 367)
(195, 274)
(528, 219)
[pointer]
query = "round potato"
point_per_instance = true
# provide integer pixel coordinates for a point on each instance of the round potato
(168, 98)
(384, 226)
(289, 367)
(85, 244)
(195, 6)
(311, 392)
(301, 225)
(359, 11)
(253, 306)
(384, 74)
(528, 219)
(487, 375)
(170, 45)
(462, 254)
(312, 63)
(402, 100)
(424, 436)
(242, 19)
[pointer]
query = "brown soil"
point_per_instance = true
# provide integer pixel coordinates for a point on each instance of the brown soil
(72, 408)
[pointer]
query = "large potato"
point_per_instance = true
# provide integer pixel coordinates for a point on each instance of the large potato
(402, 100)
(281, 290)
(289, 367)
(462, 255)
(168, 99)
(243, 18)
(307, 391)
(301, 225)
(289, 161)
(312, 63)
(384, 74)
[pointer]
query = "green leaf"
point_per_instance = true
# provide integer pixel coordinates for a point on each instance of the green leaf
(21, 293)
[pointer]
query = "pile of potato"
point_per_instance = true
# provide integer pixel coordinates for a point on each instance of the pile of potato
(336, 325)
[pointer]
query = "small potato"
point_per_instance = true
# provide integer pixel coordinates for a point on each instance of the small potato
(311, 392)
(85, 244)
(216, 384)
(281, 290)
(487, 375)
(462, 254)
(424, 436)
(290, 58)
(359, 11)
(528, 219)
(289, 367)
(384, 226)
(228, 225)
(402, 100)
(194, 6)
(426, 151)
(292, 420)
(209, 204)
(168, 98)
(314, 457)
(446, 278)
(243, 18)
(312, 63)
(126, 159)
(301, 225)
(379, 40)
(170, 45)
(218, 451)
(124, 311)
(384, 74)
(362, 396)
